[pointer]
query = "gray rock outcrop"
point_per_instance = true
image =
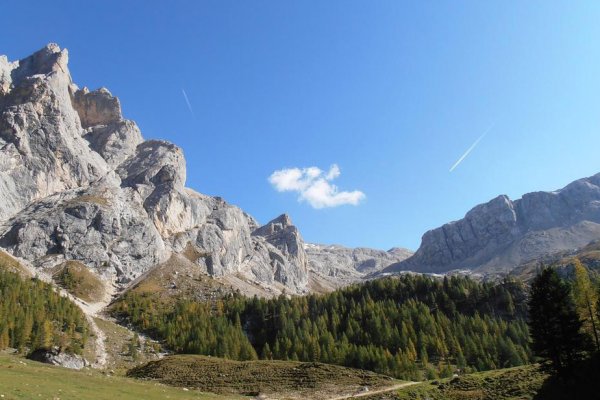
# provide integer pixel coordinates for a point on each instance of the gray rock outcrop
(59, 358)
(78, 182)
(289, 262)
(339, 265)
(41, 144)
(337, 260)
(502, 234)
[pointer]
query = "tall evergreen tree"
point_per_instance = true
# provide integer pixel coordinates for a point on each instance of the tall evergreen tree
(396, 326)
(553, 321)
(586, 299)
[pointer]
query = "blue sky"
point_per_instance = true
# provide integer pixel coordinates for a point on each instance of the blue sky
(392, 92)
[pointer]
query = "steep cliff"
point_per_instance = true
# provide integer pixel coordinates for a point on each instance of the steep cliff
(502, 234)
(78, 182)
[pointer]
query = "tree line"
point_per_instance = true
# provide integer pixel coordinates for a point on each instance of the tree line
(410, 327)
(564, 319)
(33, 316)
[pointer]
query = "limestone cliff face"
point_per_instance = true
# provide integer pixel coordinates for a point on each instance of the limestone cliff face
(340, 261)
(502, 234)
(285, 237)
(336, 266)
(78, 181)
(41, 145)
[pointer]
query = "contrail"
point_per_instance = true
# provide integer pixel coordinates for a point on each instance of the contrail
(470, 149)
(188, 103)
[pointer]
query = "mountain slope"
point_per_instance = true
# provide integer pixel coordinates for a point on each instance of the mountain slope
(271, 379)
(78, 182)
(501, 234)
(333, 266)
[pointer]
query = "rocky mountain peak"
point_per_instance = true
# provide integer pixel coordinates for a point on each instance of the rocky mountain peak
(283, 222)
(99, 107)
(79, 182)
(50, 59)
(43, 151)
(501, 234)
(286, 238)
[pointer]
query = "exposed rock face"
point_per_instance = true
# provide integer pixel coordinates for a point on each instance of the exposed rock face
(103, 226)
(337, 260)
(340, 265)
(502, 234)
(96, 108)
(78, 182)
(290, 263)
(56, 357)
(41, 148)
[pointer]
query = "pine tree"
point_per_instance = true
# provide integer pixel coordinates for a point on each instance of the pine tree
(134, 345)
(267, 354)
(586, 299)
(424, 322)
(553, 320)
(47, 334)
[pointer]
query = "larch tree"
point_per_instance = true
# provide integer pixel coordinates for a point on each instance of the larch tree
(586, 300)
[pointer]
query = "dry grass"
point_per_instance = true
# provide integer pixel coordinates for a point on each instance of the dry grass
(86, 198)
(80, 281)
(180, 278)
(192, 253)
(273, 379)
(9, 263)
(117, 342)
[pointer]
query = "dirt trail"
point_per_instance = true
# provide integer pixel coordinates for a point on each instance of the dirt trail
(374, 392)
(91, 311)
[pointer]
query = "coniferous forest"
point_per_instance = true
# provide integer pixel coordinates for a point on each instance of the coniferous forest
(33, 316)
(410, 327)
(564, 320)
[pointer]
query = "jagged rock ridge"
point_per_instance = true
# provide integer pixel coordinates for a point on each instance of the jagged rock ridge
(335, 264)
(502, 234)
(79, 182)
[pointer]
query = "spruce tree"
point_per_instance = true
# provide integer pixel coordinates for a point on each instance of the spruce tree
(553, 321)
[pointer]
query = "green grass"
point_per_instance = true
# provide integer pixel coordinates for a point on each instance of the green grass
(504, 384)
(24, 379)
(275, 379)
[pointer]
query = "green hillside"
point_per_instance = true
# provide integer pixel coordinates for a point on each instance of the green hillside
(505, 384)
(273, 379)
(24, 379)
(33, 316)
(409, 327)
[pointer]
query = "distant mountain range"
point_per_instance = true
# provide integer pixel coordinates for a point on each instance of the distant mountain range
(502, 234)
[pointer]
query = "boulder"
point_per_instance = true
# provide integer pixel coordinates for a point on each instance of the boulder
(56, 357)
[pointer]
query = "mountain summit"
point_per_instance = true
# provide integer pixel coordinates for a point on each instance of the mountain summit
(502, 234)
(79, 182)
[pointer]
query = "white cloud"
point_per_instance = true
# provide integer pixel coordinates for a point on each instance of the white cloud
(314, 186)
